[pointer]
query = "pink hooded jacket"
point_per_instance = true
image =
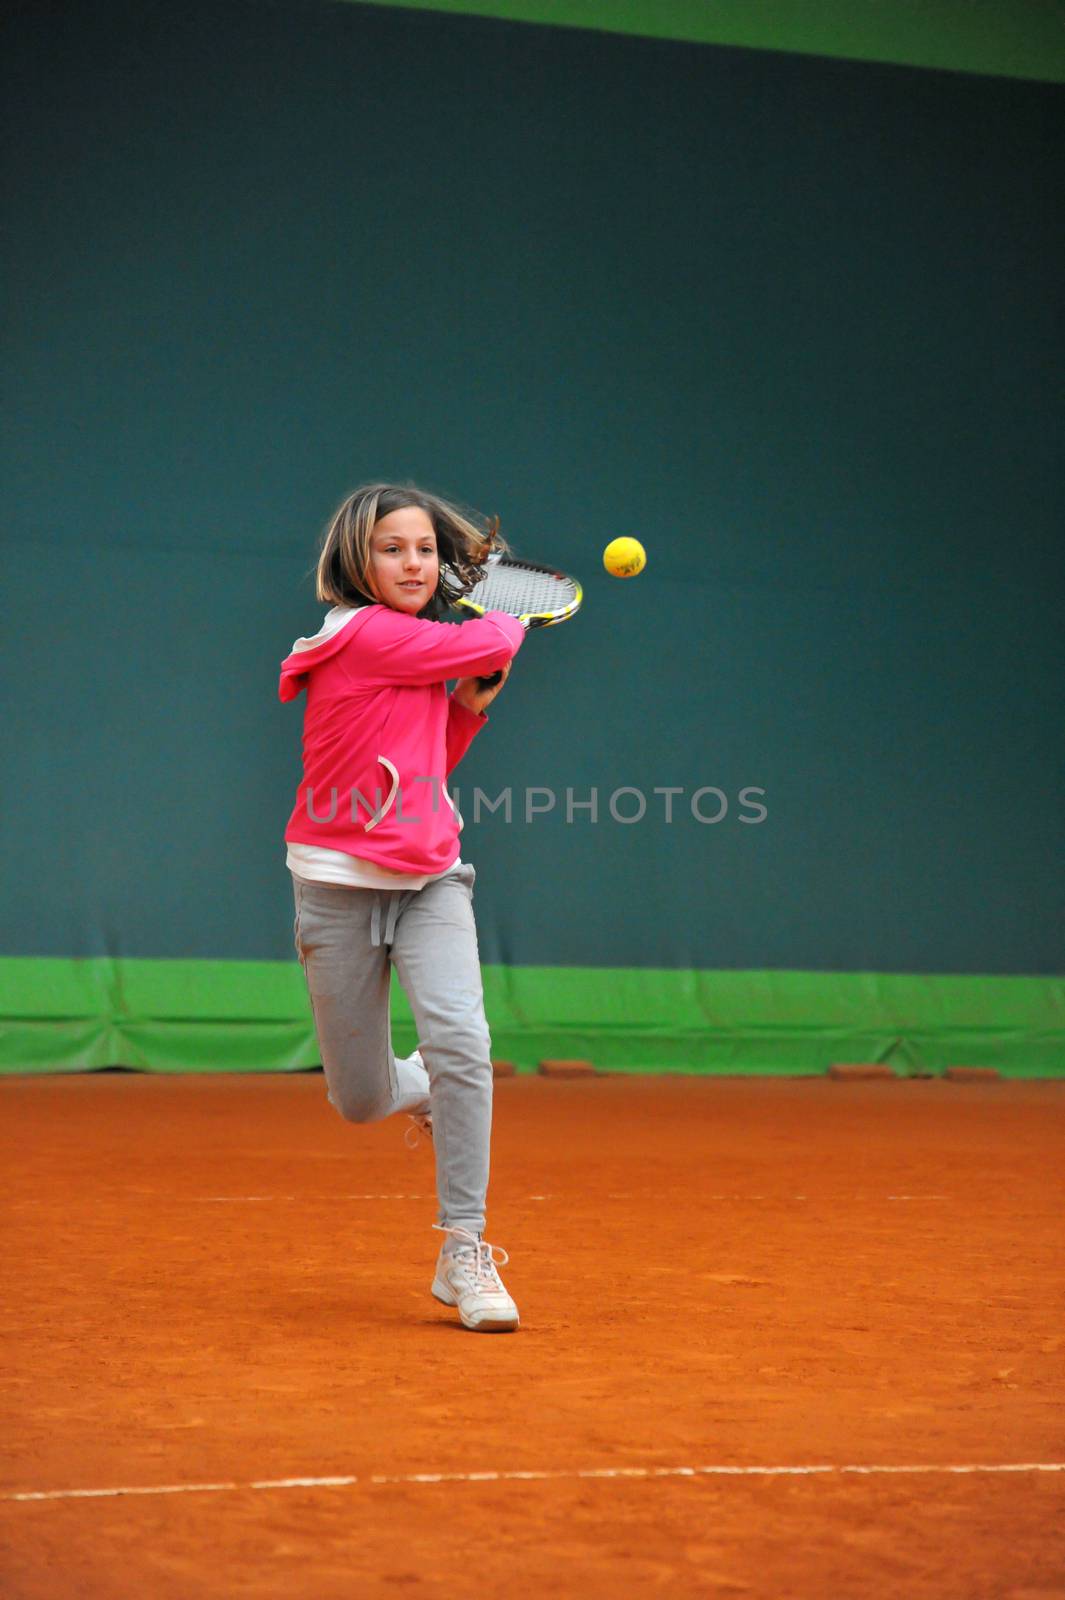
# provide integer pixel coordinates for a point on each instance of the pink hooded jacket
(380, 732)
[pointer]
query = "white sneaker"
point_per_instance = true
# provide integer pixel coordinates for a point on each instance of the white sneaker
(466, 1277)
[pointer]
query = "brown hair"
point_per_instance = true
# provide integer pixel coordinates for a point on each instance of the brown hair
(345, 572)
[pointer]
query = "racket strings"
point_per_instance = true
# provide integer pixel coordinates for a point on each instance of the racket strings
(524, 591)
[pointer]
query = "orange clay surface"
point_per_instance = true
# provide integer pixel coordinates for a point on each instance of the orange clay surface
(215, 1282)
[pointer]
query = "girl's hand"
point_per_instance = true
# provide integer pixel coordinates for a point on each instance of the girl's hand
(468, 691)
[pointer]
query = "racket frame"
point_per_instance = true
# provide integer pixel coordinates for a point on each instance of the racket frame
(530, 619)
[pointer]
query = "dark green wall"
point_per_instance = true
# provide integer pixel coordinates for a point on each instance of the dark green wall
(793, 322)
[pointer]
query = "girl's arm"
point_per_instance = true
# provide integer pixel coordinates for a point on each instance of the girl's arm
(466, 708)
(393, 648)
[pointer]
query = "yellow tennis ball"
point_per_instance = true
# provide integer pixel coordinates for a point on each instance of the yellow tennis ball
(624, 558)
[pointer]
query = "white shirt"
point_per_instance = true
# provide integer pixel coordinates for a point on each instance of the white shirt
(312, 864)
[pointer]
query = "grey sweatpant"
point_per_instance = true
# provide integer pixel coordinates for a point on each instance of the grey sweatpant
(347, 940)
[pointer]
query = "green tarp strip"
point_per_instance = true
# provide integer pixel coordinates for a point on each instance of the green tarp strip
(997, 38)
(252, 1016)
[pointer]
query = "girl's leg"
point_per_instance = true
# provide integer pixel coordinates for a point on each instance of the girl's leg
(348, 982)
(435, 952)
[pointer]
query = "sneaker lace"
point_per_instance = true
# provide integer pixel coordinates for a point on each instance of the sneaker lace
(412, 1136)
(479, 1258)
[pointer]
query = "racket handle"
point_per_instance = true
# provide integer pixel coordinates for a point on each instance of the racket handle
(491, 681)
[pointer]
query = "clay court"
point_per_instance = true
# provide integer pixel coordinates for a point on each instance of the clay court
(780, 1337)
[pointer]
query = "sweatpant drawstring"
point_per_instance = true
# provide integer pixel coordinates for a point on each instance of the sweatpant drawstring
(394, 897)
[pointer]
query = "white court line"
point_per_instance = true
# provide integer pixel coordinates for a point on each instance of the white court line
(831, 1199)
(546, 1476)
(743, 1199)
(424, 1199)
(249, 1199)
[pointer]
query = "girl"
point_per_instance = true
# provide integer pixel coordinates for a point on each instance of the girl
(374, 854)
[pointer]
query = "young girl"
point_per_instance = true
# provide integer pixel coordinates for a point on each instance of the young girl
(374, 854)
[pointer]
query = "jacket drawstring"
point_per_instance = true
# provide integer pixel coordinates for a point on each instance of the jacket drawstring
(386, 808)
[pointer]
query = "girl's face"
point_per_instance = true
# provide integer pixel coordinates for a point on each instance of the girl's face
(406, 567)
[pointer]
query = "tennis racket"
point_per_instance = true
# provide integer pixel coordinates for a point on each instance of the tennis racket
(538, 596)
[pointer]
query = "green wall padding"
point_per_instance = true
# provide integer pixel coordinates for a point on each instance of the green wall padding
(231, 1016)
(1009, 38)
